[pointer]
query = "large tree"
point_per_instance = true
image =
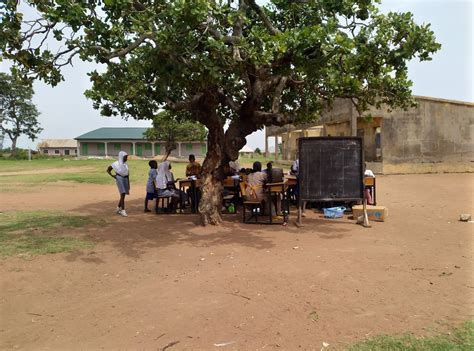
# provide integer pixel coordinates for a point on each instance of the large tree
(18, 114)
(235, 64)
(171, 129)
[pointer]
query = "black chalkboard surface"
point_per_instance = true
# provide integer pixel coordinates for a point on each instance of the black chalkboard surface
(331, 168)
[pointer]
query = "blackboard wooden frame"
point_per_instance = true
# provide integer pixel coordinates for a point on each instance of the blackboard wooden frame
(304, 179)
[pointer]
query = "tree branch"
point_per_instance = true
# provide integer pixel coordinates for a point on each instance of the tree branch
(263, 16)
(186, 104)
(128, 49)
(271, 118)
(231, 40)
(228, 101)
(277, 95)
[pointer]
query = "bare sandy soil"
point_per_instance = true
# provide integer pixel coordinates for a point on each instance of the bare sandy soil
(161, 282)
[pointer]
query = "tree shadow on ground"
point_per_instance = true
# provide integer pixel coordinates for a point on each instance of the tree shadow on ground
(139, 232)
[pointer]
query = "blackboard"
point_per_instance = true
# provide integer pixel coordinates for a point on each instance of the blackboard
(331, 168)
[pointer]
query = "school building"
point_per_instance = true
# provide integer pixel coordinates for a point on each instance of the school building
(435, 136)
(105, 142)
(58, 147)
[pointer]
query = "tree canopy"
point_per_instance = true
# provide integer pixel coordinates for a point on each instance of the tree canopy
(18, 114)
(223, 63)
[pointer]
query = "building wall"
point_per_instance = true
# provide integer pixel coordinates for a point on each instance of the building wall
(62, 151)
(338, 129)
(114, 147)
(368, 130)
(436, 136)
(290, 141)
(197, 149)
(146, 149)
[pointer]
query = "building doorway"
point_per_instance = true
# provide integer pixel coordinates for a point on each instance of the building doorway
(140, 150)
(85, 149)
(378, 144)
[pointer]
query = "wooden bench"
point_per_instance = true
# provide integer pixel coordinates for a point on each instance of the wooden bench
(162, 208)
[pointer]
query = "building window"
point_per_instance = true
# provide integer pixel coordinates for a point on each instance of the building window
(117, 147)
(157, 149)
(56, 152)
(147, 146)
(45, 151)
(66, 152)
(189, 147)
(75, 151)
(101, 147)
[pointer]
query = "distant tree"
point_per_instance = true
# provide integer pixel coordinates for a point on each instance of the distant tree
(18, 114)
(170, 128)
(258, 151)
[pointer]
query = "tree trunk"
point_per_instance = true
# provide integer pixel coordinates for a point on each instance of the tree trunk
(14, 145)
(211, 200)
(166, 155)
(170, 145)
(211, 181)
(222, 148)
(235, 136)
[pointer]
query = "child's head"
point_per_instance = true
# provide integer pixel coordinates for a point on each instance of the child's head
(257, 166)
(153, 164)
(269, 165)
(192, 158)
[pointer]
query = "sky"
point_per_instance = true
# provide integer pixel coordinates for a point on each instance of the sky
(66, 113)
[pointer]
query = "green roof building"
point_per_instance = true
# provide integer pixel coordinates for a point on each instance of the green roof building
(105, 142)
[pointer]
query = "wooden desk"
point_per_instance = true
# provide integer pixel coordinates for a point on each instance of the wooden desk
(291, 180)
(185, 183)
(276, 189)
(191, 184)
(369, 183)
(230, 182)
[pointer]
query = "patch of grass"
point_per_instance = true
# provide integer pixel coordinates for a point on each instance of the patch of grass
(314, 316)
(94, 174)
(27, 233)
(30, 179)
(25, 165)
(460, 339)
(91, 171)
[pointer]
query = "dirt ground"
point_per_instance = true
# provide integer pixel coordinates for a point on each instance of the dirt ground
(161, 282)
(48, 171)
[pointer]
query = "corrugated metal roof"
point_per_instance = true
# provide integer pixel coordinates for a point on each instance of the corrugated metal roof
(114, 134)
(59, 143)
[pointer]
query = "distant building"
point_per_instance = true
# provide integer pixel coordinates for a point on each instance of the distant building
(435, 136)
(246, 151)
(105, 142)
(58, 147)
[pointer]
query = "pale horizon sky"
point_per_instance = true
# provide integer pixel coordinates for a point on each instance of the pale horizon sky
(66, 113)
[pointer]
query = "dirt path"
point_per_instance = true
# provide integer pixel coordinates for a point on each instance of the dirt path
(48, 171)
(157, 281)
